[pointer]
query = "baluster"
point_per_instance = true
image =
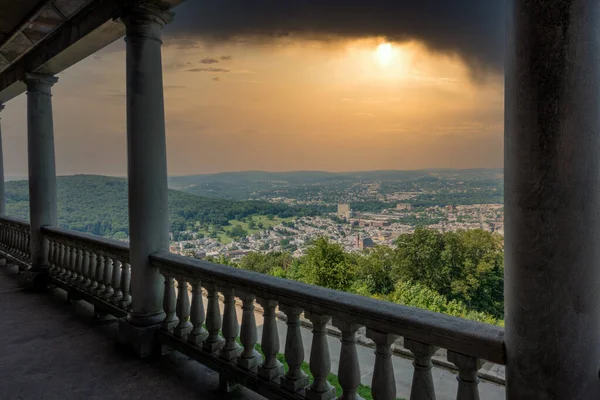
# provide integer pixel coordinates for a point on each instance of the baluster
(169, 304)
(11, 246)
(76, 263)
(295, 379)
(100, 274)
(16, 251)
(197, 316)
(66, 263)
(85, 268)
(13, 242)
(213, 321)
(348, 368)
(93, 272)
(271, 367)
(60, 260)
(250, 358)
(183, 309)
(125, 285)
(422, 383)
(383, 386)
(72, 263)
(22, 244)
(108, 272)
(81, 264)
(51, 264)
(231, 327)
(467, 375)
(320, 362)
(116, 282)
(28, 244)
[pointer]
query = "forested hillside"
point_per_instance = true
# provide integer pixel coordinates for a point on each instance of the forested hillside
(98, 205)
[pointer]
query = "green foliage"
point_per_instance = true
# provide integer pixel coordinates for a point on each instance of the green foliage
(326, 264)
(375, 270)
(455, 273)
(98, 205)
(466, 265)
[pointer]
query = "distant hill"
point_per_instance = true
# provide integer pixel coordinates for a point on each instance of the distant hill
(98, 204)
(246, 184)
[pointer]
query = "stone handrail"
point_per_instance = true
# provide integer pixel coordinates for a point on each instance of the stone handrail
(15, 238)
(212, 337)
(97, 266)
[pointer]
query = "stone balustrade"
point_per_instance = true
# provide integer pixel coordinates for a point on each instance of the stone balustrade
(200, 331)
(97, 270)
(90, 267)
(15, 240)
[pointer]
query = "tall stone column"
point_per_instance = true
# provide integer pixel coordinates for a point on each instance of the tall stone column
(2, 193)
(147, 170)
(552, 199)
(42, 169)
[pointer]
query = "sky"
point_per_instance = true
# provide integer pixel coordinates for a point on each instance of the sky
(307, 85)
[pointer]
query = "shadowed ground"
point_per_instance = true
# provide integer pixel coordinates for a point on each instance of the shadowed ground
(50, 349)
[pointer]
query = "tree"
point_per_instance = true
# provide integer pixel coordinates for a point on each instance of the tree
(251, 224)
(375, 269)
(326, 264)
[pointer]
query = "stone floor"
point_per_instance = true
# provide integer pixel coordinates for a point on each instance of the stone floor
(50, 349)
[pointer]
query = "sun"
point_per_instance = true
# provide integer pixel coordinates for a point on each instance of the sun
(385, 54)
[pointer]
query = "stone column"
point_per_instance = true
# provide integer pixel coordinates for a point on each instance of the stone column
(147, 170)
(42, 170)
(552, 199)
(2, 193)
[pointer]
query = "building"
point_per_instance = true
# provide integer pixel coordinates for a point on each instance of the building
(551, 229)
(344, 211)
(364, 242)
(404, 206)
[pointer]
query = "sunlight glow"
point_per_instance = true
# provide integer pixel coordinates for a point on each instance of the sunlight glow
(385, 54)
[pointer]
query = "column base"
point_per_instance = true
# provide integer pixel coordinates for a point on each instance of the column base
(271, 373)
(295, 384)
(142, 340)
(250, 363)
(35, 278)
(326, 395)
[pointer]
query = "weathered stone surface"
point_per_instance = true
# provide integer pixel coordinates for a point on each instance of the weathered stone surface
(58, 347)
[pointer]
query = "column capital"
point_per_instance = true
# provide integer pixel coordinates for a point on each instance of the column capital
(143, 18)
(39, 82)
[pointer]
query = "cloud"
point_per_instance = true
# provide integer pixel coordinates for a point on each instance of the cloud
(216, 79)
(208, 69)
(180, 43)
(471, 29)
(209, 60)
(226, 58)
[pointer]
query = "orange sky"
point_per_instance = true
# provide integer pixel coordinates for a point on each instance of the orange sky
(285, 104)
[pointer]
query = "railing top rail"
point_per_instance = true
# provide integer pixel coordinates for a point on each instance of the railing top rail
(114, 247)
(467, 337)
(14, 221)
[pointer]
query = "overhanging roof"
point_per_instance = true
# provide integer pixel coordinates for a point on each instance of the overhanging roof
(48, 36)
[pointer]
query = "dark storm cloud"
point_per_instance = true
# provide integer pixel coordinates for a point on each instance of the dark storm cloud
(226, 58)
(472, 29)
